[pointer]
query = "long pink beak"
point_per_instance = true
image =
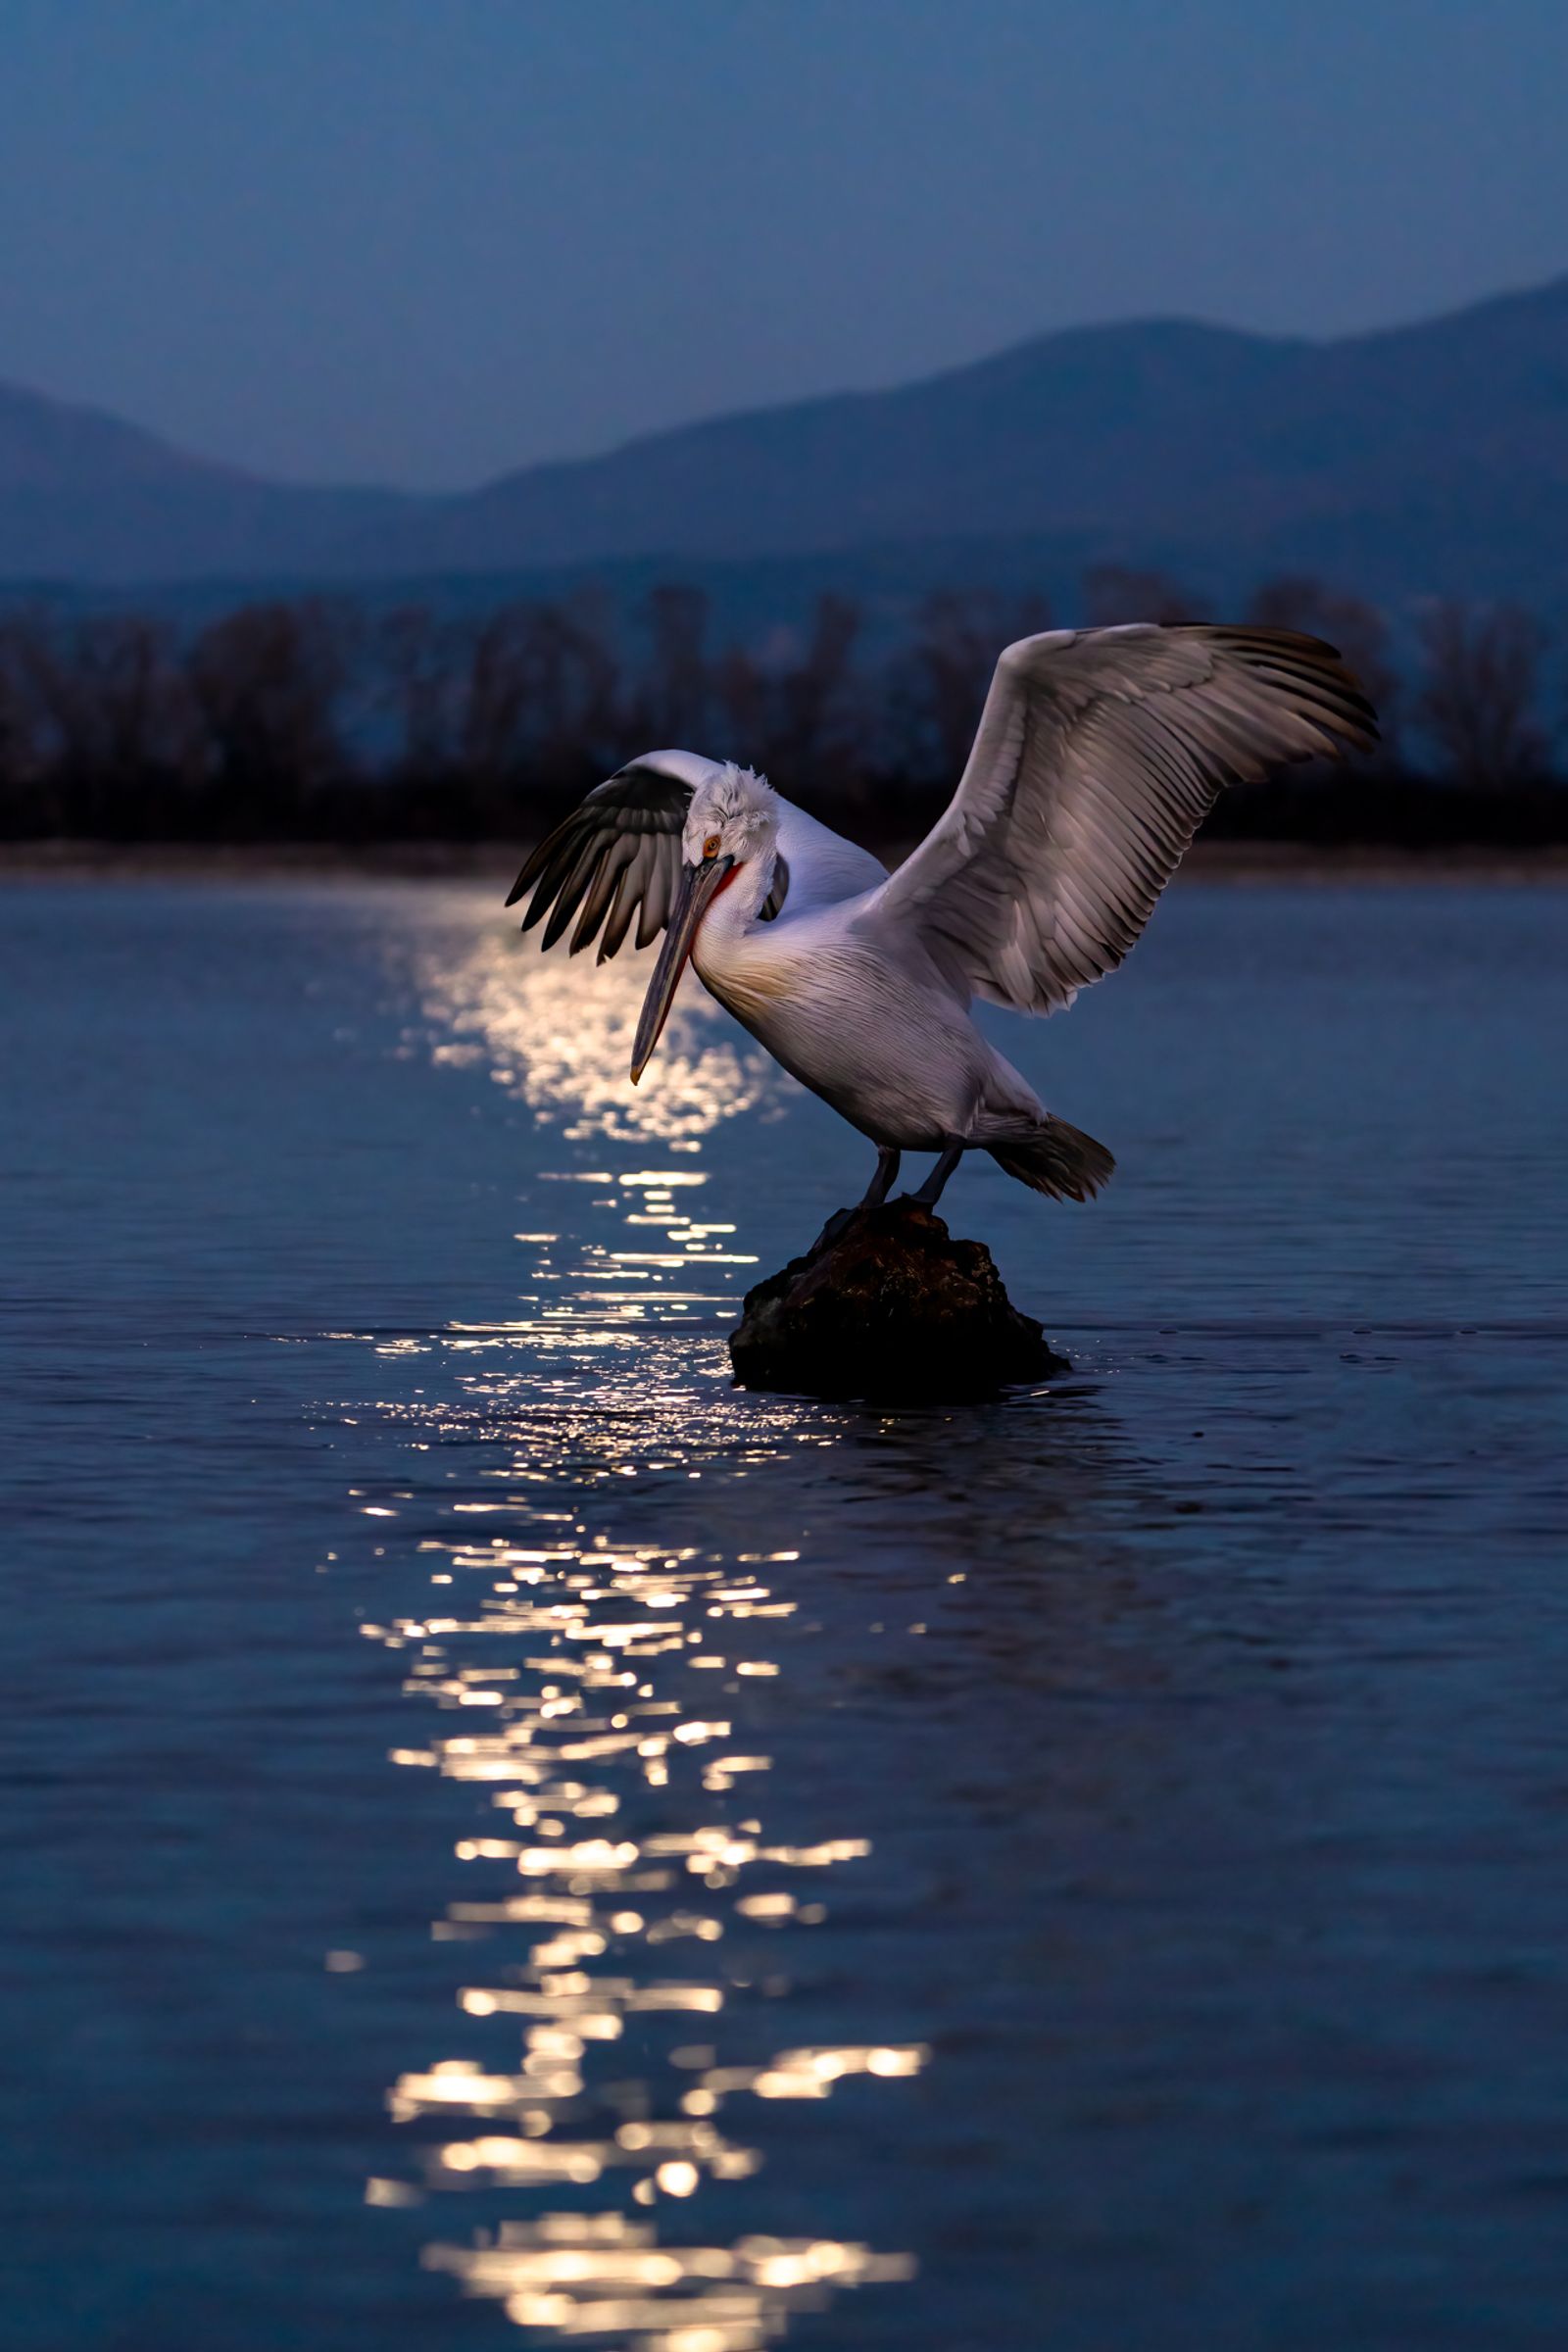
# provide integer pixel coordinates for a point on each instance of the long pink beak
(698, 888)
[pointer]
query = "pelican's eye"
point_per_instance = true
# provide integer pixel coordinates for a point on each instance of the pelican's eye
(711, 846)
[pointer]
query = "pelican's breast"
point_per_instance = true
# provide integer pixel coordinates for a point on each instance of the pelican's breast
(841, 1018)
(764, 969)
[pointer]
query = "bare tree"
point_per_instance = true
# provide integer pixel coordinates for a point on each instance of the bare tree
(677, 687)
(119, 725)
(818, 736)
(572, 682)
(419, 660)
(936, 688)
(1478, 694)
(266, 680)
(797, 711)
(30, 805)
(494, 698)
(742, 691)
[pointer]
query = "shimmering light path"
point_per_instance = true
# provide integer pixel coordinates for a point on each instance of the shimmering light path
(519, 1845)
(635, 1933)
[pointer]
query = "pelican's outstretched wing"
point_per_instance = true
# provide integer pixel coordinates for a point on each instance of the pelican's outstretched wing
(1100, 753)
(617, 857)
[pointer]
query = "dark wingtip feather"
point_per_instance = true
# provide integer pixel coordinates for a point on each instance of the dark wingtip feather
(563, 846)
(539, 858)
(605, 882)
(1346, 711)
(614, 848)
(533, 865)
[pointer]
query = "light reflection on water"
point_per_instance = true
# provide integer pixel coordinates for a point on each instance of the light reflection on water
(566, 1696)
(1201, 1717)
(556, 1031)
(578, 1684)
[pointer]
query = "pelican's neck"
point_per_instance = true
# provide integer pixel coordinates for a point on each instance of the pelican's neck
(734, 911)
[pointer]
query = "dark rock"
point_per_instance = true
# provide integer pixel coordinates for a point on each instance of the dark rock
(885, 1305)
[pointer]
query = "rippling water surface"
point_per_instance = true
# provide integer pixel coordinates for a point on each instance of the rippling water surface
(515, 1843)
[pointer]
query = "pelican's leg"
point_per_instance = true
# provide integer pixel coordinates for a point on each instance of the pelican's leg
(875, 1193)
(930, 1193)
(885, 1177)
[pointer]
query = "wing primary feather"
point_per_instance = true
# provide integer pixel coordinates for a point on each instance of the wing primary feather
(622, 907)
(550, 881)
(534, 864)
(656, 905)
(617, 856)
(569, 895)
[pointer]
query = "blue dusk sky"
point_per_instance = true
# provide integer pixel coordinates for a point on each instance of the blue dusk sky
(421, 241)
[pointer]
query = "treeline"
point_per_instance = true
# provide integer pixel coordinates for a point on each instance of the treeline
(317, 719)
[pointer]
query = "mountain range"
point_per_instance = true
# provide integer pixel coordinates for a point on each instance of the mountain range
(1421, 459)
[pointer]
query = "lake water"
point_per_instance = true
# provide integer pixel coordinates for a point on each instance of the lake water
(510, 1843)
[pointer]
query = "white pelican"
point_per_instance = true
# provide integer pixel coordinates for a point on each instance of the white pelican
(1099, 753)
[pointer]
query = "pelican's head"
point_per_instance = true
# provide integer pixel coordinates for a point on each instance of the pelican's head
(730, 835)
(733, 814)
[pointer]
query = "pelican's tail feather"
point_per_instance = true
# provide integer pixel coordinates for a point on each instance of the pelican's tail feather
(1058, 1160)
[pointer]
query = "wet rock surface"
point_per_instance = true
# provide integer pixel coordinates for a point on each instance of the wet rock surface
(886, 1304)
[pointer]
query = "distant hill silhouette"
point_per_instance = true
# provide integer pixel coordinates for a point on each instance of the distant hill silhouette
(1427, 459)
(84, 497)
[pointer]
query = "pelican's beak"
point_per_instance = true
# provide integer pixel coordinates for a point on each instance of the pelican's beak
(698, 888)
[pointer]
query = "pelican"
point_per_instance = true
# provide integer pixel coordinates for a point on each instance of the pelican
(1099, 753)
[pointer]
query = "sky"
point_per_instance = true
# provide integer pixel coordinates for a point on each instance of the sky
(424, 241)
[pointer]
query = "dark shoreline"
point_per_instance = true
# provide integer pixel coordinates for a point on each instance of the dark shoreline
(276, 862)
